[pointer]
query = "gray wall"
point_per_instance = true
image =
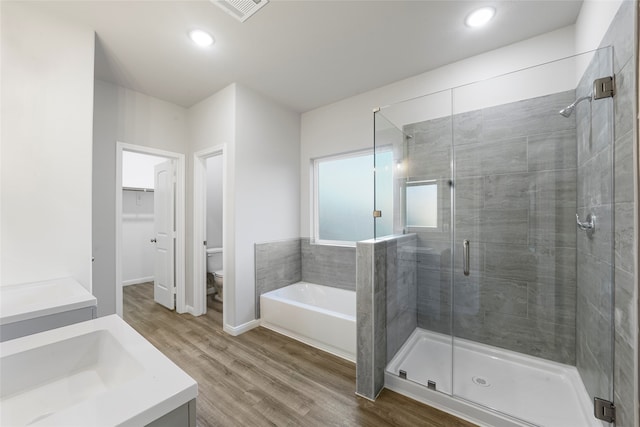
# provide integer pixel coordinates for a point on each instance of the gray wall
(401, 290)
(623, 37)
(385, 305)
(282, 263)
(594, 352)
(278, 264)
(371, 312)
(608, 191)
(515, 201)
(329, 265)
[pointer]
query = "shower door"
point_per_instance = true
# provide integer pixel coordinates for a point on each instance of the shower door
(498, 293)
(418, 133)
(530, 289)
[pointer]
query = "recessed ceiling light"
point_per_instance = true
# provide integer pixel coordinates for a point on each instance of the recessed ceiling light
(480, 17)
(201, 38)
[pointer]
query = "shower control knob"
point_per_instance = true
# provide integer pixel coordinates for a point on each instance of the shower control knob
(153, 240)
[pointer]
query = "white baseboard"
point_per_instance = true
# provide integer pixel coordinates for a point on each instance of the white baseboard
(137, 281)
(191, 310)
(237, 330)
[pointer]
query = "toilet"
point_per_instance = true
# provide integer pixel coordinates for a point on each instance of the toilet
(214, 268)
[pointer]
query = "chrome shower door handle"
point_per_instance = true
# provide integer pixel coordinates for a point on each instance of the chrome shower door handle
(465, 257)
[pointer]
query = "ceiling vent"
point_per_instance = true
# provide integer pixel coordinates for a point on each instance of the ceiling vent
(240, 9)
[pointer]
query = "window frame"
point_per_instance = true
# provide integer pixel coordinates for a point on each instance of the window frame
(315, 193)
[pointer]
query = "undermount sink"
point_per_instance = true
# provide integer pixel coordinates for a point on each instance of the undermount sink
(61, 374)
(99, 372)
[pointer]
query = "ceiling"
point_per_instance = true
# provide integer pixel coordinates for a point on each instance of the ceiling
(302, 54)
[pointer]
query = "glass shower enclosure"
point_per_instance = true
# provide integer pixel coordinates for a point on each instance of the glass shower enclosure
(504, 296)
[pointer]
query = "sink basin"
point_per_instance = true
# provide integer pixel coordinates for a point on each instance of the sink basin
(61, 374)
(99, 372)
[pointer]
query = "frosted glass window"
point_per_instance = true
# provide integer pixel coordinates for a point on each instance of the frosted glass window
(422, 204)
(344, 197)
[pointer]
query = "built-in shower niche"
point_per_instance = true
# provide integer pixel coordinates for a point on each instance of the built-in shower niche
(497, 320)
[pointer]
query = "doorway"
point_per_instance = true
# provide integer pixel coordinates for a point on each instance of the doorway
(210, 235)
(150, 228)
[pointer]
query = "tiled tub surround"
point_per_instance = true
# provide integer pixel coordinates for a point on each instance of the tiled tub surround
(515, 189)
(329, 265)
(285, 262)
(278, 264)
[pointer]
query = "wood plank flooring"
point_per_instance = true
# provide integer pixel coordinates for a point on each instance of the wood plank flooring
(262, 378)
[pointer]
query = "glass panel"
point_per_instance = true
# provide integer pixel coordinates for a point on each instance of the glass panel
(510, 161)
(388, 152)
(536, 291)
(344, 190)
(418, 285)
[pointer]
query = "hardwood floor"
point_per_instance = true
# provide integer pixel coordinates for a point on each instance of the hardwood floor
(262, 378)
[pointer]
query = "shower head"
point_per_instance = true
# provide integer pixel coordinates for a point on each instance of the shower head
(568, 110)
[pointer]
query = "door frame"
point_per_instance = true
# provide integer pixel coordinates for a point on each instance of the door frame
(200, 229)
(179, 221)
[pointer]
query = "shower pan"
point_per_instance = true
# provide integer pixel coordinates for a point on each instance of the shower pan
(501, 300)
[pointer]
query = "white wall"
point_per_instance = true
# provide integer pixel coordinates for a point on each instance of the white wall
(267, 186)
(138, 217)
(593, 22)
(47, 103)
(137, 232)
(138, 169)
(122, 115)
(211, 123)
(347, 125)
(214, 201)
(262, 191)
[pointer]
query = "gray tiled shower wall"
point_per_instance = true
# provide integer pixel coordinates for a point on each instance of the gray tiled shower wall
(595, 256)
(386, 306)
(282, 263)
(515, 202)
(613, 209)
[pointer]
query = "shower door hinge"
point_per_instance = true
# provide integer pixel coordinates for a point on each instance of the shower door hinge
(377, 214)
(604, 87)
(604, 410)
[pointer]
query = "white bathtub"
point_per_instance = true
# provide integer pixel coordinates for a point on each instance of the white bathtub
(321, 316)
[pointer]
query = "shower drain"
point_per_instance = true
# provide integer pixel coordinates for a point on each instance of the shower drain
(481, 381)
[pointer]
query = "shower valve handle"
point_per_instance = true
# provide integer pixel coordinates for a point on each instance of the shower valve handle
(588, 225)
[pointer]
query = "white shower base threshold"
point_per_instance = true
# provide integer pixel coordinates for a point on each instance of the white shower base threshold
(534, 391)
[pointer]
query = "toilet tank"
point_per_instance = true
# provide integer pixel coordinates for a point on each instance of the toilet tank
(214, 259)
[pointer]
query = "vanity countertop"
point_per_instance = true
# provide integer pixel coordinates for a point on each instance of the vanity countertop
(31, 300)
(95, 373)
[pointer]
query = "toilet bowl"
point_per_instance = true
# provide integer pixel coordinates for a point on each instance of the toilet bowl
(214, 267)
(217, 284)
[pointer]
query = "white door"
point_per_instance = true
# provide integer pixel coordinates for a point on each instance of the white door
(163, 208)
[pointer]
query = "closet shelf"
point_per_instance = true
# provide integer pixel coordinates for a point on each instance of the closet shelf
(146, 190)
